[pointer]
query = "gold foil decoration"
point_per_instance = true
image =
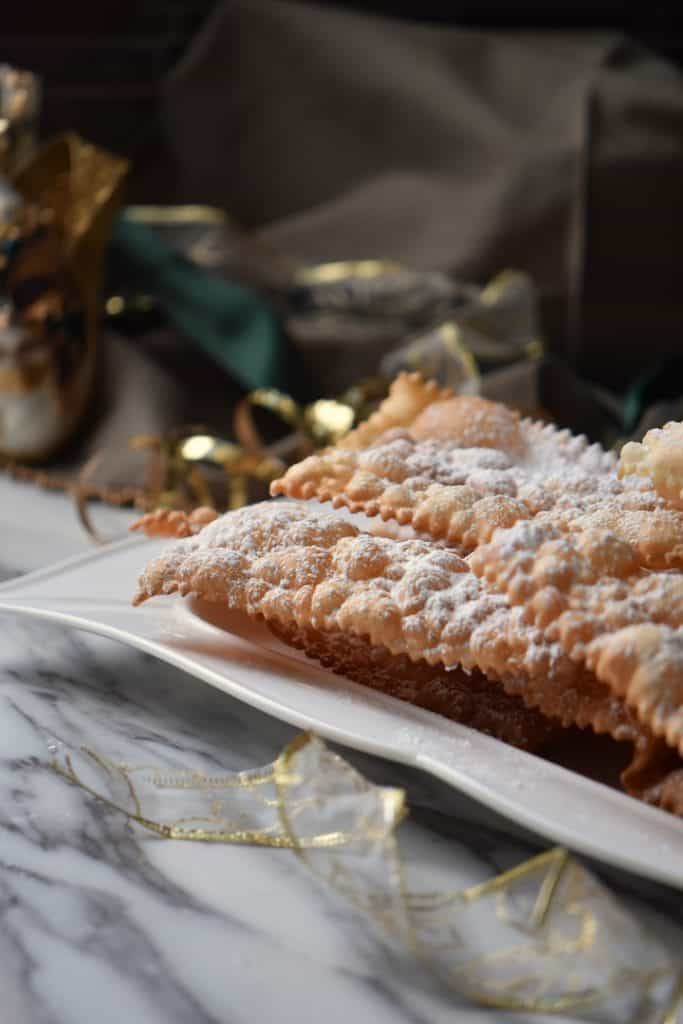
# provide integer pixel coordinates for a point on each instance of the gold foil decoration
(374, 287)
(505, 319)
(56, 239)
(495, 326)
(177, 473)
(210, 232)
(172, 481)
(20, 96)
(440, 354)
(404, 319)
(544, 937)
(320, 423)
(429, 321)
(239, 464)
(190, 213)
(186, 468)
(190, 466)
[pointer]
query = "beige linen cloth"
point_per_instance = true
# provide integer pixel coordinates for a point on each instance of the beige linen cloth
(340, 135)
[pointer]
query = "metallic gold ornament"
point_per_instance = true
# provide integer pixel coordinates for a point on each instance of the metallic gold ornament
(20, 96)
(52, 240)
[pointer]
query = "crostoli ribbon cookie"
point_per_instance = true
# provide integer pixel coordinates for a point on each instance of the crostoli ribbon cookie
(227, 564)
(461, 467)
(588, 593)
(395, 614)
(644, 664)
(552, 569)
(469, 698)
(658, 458)
(175, 523)
(291, 563)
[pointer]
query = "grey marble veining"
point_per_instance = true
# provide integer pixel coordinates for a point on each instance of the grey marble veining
(100, 921)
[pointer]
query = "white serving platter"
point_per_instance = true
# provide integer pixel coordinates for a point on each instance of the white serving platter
(93, 593)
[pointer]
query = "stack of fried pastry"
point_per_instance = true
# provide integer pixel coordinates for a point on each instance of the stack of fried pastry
(534, 586)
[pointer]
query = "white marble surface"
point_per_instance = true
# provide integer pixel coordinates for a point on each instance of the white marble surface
(101, 922)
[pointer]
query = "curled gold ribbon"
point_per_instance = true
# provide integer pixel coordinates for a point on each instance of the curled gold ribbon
(239, 463)
(175, 473)
(320, 423)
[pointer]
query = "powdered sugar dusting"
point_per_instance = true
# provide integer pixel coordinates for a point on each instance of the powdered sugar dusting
(286, 562)
(441, 487)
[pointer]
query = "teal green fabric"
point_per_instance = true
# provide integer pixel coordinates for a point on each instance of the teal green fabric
(231, 323)
(662, 382)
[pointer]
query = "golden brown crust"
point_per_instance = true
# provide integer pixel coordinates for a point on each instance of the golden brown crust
(453, 492)
(166, 522)
(291, 563)
(587, 592)
(398, 614)
(643, 664)
(655, 535)
(471, 422)
(408, 395)
(476, 467)
(571, 601)
(538, 555)
(430, 411)
(654, 774)
(470, 699)
(298, 567)
(577, 586)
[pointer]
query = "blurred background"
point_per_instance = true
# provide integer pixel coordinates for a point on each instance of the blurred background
(318, 195)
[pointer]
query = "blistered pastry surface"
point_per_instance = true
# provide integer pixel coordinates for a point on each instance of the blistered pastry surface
(658, 458)
(289, 563)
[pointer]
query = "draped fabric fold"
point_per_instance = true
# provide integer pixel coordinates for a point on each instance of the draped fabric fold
(346, 135)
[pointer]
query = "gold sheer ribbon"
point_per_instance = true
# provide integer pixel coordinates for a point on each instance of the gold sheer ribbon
(545, 936)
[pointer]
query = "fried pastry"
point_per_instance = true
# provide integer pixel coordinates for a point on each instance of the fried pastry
(408, 395)
(471, 699)
(644, 665)
(294, 564)
(166, 522)
(407, 617)
(432, 412)
(533, 585)
(551, 570)
(654, 773)
(462, 495)
(588, 593)
(464, 467)
(658, 458)
(446, 490)
(305, 569)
